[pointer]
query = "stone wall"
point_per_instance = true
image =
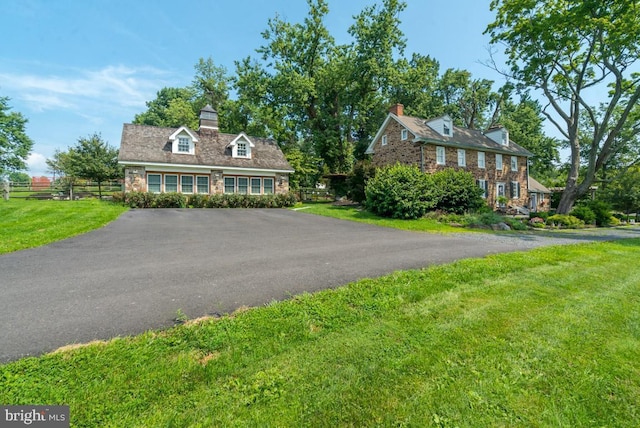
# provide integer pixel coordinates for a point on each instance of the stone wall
(135, 179)
(408, 153)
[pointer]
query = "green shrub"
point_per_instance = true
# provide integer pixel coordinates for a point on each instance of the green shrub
(169, 200)
(483, 219)
(602, 211)
(566, 221)
(457, 191)
(363, 171)
(584, 213)
(180, 200)
(537, 222)
(400, 191)
(544, 215)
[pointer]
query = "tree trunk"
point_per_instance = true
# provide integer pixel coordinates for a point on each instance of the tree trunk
(99, 190)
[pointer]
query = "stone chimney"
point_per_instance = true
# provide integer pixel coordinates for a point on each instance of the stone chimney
(208, 118)
(397, 109)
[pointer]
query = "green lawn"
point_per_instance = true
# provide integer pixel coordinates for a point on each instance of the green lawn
(545, 338)
(360, 215)
(31, 223)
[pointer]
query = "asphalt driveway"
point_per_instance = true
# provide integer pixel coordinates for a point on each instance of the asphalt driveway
(137, 272)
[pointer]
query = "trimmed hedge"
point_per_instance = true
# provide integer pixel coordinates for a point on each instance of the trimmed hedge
(180, 200)
(457, 191)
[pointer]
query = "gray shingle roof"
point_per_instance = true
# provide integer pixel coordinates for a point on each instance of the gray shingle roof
(462, 137)
(143, 143)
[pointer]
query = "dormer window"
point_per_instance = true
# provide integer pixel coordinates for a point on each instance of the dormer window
(183, 141)
(183, 144)
(241, 150)
(241, 147)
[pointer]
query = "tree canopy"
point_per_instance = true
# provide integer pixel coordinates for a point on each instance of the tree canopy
(574, 52)
(15, 145)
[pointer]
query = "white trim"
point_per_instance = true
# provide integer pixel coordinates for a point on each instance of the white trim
(444, 155)
(384, 140)
(462, 157)
(251, 185)
(390, 116)
(177, 176)
(180, 167)
(234, 146)
(195, 185)
(193, 136)
(499, 156)
(514, 161)
(404, 134)
(484, 160)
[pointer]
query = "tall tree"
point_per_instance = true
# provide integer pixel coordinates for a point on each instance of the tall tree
(573, 51)
(172, 107)
(90, 159)
(211, 84)
(525, 123)
(15, 145)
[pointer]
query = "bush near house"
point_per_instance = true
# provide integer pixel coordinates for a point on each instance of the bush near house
(400, 191)
(457, 191)
(566, 221)
(180, 200)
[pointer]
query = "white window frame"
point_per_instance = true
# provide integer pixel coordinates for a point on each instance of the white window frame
(441, 157)
(251, 182)
(383, 140)
(159, 184)
(233, 185)
(267, 189)
(445, 129)
(404, 134)
(462, 157)
(514, 163)
(183, 184)
(199, 178)
(246, 185)
(504, 191)
(481, 160)
(165, 182)
(241, 149)
(498, 162)
(184, 144)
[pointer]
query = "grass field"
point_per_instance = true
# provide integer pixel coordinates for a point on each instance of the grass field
(546, 338)
(360, 215)
(31, 223)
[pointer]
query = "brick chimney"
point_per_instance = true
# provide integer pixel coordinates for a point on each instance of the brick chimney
(397, 109)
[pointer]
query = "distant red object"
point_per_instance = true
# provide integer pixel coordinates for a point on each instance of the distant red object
(40, 183)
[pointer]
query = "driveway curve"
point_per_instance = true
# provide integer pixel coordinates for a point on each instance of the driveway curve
(139, 271)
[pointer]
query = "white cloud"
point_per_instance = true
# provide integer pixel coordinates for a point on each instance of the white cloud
(37, 164)
(110, 87)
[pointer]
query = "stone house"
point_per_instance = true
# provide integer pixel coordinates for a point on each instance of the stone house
(206, 161)
(499, 165)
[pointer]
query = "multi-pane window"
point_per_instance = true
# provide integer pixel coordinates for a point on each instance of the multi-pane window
(514, 163)
(186, 183)
(241, 149)
(404, 134)
(229, 185)
(154, 183)
(255, 186)
(498, 161)
(481, 163)
(462, 157)
(170, 183)
(484, 185)
(202, 184)
(243, 185)
(267, 183)
(515, 190)
(440, 155)
(183, 144)
(446, 130)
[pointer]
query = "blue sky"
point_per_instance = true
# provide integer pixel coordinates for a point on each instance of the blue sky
(73, 67)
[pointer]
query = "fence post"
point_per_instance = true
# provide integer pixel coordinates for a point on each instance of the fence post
(5, 190)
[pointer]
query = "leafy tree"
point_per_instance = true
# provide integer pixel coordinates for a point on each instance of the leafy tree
(173, 107)
(211, 84)
(90, 159)
(15, 145)
(525, 121)
(624, 192)
(469, 102)
(415, 84)
(571, 51)
(19, 177)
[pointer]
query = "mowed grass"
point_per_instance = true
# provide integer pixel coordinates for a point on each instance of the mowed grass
(361, 215)
(31, 223)
(545, 338)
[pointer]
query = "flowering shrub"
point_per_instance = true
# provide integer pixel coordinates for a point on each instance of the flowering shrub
(537, 222)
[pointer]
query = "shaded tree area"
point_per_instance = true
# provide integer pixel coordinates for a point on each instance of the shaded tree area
(324, 101)
(15, 145)
(574, 52)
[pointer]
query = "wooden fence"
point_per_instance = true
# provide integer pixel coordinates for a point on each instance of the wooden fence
(313, 194)
(59, 191)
